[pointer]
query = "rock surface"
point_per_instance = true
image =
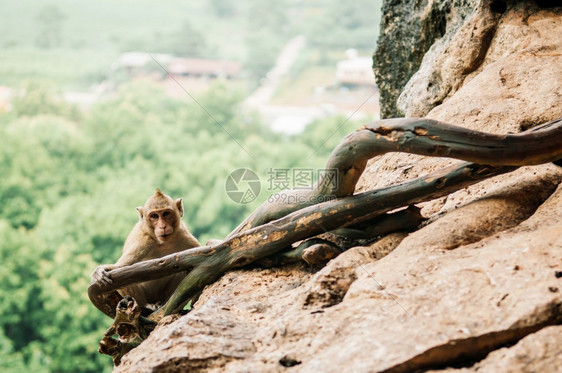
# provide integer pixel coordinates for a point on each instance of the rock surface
(408, 30)
(477, 288)
(538, 352)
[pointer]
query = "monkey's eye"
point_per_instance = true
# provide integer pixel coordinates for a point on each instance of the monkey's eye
(166, 213)
(154, 216)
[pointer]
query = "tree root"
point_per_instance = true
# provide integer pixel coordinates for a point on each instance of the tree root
(274, 227)
(129, 327)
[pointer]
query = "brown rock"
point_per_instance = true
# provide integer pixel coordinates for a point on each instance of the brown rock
(409, 28)
(502, 206)
(485, 272)
(446, 64)
(538, 352)
(328, 287)
(523, 66)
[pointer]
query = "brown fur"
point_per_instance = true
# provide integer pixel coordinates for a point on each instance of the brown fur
(159, 232)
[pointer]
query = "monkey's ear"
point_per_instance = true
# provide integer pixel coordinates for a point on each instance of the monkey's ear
(179, 206)
(141, 211)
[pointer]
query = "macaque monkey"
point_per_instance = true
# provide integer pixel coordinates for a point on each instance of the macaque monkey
(159, 232)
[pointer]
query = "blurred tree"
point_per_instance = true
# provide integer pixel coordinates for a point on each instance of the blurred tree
(66, 308)
(70, 188)
(186, 42)
(270, 16)
(350, 25)
(10, 360)
(268, 31)
(18, 205)
(223, 8)
(20, 309)
(38, 97)
(50, 19)
(333, 130)
(261, 53)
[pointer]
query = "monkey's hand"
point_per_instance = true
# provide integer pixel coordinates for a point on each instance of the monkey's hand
(101, 274)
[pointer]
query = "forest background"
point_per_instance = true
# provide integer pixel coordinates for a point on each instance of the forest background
(71, 174)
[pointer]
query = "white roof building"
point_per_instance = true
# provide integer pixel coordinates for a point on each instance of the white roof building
(355, 70)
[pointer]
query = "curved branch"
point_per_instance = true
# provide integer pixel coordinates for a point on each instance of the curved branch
(275, 226)
(421, 136)
(206, 264)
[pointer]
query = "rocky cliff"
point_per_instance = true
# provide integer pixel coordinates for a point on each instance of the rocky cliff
(479, 287)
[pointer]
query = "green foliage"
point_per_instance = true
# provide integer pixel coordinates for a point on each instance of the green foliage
(333, 130)
(186, 41)
(20, 308)
(223, 8)
(71, 180)
(50, 18)
(267, 23)
(37, 97)
(10, 360)
(350, 24)
(71, 184)
(66, 308)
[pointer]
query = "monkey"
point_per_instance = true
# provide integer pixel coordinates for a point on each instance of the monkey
(160, 231)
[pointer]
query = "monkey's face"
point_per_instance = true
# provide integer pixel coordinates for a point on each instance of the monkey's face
(163, 222)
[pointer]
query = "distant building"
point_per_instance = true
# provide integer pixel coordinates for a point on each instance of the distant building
(140, 63)
(204, 68)
(355, 71)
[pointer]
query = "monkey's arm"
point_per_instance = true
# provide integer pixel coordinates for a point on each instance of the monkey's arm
(107, 301)
(101, 273)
